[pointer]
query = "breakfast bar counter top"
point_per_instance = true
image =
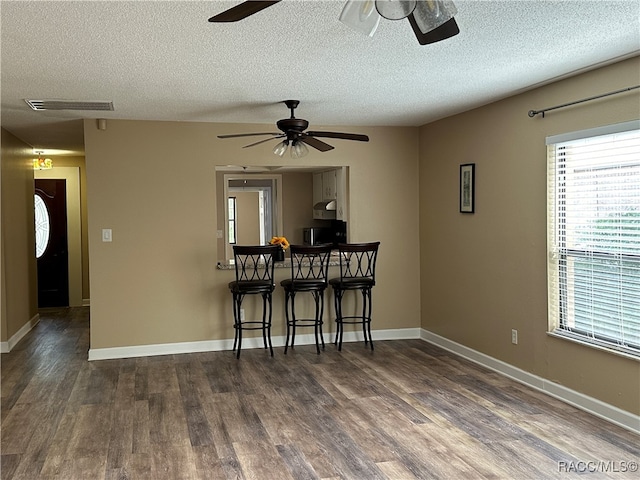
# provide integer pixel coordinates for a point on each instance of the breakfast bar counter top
(334, 261)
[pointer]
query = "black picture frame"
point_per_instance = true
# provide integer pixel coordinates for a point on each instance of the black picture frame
(467, 187)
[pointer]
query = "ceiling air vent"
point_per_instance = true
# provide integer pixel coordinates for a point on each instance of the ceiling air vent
(68, 105)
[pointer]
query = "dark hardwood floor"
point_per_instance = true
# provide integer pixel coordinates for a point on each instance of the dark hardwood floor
(407, 410)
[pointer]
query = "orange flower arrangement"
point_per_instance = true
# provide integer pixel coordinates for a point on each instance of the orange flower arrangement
(282, 241)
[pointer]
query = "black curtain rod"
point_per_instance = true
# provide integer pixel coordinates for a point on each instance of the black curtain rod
(533, 113)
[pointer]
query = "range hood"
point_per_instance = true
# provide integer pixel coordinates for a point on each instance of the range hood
(330, 205)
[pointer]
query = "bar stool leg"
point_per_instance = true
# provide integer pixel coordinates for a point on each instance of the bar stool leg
(294, 324)
(235, 322)
(239, 324)
(335, 308)
(317, 325)
(266, 326)
(366, 316)
(264, 320)
(320, 317)
(237, 304)
(339, 326)
(287, 294)
(270, 299)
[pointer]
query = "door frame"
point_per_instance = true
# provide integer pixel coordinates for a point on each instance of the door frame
(74, 224)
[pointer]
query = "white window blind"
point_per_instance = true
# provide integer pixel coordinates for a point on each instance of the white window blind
(594, 236)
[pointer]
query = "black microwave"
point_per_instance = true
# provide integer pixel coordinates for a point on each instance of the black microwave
(317, 235)
(334, 234)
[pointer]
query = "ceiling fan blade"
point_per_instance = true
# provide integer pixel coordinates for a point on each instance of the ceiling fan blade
(315, 143)
(263, 141)
(235, 135)
(241, 11)
(343, 136)
(444, 31)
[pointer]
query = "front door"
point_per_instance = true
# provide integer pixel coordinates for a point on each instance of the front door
(51, 243)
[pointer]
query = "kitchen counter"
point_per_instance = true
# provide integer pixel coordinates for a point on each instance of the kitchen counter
(334, 261)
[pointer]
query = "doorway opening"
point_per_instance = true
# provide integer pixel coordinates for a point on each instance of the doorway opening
(70, 214)
(51, 242)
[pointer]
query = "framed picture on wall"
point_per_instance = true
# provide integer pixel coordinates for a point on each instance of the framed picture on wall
(467, 187)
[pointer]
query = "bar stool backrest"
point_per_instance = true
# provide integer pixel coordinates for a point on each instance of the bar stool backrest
(254, 263)
(358, 260)
(310, 262)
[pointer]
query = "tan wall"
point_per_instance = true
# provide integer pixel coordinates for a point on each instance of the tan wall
(485, 274)
(154, 185)
(19, 284)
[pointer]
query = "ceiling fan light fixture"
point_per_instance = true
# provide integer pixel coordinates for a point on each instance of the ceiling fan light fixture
(298, 149)
(280, 148)
(395, 9)
(361, 15)
(294, 134)
(430, 14)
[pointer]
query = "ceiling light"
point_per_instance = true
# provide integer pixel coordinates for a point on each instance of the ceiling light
(395, 9)
(430, 14)
(41, 163)
(361, 15)
(281, 148)
(298, 149)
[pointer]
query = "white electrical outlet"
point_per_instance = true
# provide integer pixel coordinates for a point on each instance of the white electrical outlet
(242, 314)
(514, 336)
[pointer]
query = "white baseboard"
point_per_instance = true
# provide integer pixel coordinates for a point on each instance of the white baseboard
(247, 342)
(592, 405)
(86, 302)
(6, 347)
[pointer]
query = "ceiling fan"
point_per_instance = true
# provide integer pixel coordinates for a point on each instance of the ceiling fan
(430, 20)
(294, 135)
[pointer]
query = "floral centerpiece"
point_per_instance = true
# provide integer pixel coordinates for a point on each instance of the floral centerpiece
(283, 243)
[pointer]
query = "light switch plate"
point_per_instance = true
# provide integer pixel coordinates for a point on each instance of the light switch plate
(106, 235)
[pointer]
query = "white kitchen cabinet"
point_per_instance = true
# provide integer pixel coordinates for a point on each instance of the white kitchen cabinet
(330, 186)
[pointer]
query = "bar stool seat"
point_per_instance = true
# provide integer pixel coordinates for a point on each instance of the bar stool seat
(254, 276)
(357, 272)
(250, 286)
(309, 271)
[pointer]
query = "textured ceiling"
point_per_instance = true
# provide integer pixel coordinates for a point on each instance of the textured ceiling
(164, 61)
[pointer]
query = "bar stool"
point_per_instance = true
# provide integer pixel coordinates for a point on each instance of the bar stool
(254, 276)
(309, 270)
(357, 272)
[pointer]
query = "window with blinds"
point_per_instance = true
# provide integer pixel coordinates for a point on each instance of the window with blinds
(594, 236)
